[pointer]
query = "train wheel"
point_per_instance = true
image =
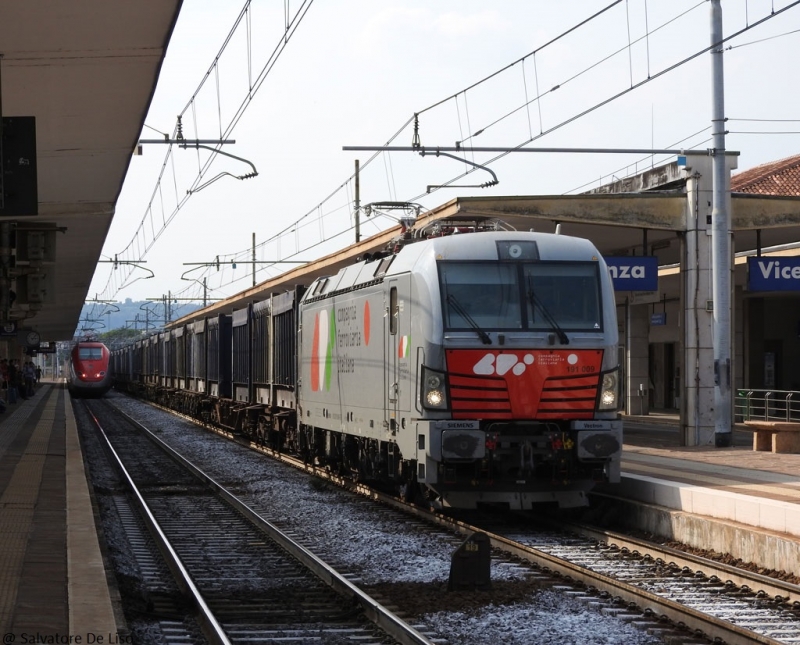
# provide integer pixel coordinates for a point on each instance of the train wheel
(306, 447)
(411, 493)
(263, 431)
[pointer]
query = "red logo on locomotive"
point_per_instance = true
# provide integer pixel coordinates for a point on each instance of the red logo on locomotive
(523, 384)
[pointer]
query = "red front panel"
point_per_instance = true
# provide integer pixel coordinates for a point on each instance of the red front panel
(523, 384)
(90, 370)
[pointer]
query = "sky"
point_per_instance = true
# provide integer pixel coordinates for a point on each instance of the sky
(355, 72)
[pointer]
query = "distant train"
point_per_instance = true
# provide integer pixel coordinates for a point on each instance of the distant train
(467, 366)
(88, 372)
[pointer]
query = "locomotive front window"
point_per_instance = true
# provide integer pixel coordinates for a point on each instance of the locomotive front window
(90, 353)
(567, 292)
(490, 295)
(485, 292)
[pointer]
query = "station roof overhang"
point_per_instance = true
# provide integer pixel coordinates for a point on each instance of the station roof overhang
(86, 70)
(618, 224)
(647, 223)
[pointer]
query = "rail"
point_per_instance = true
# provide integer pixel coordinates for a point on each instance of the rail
(767, 405)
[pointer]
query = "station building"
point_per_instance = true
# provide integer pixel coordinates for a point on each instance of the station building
(674, 318)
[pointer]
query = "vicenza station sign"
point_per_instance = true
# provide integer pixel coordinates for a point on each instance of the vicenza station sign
(773, 274)
(633, 273)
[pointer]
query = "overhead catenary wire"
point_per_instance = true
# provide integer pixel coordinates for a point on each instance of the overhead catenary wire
(552, 129)
(763, 40)
(296, 227)
(550, 42)
(630, 49)
(643, 160)
(618, 95)
(455, 96)
(291, 25)
(647, 33)
(527, 102)
(581, 73)
(729, 119)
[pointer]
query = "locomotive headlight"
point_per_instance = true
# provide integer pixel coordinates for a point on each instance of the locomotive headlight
(434, 392)
(609, 391)
(434, 398)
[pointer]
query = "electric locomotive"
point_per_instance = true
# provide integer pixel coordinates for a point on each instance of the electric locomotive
(88, 370)
(481, 367)
(460, 365)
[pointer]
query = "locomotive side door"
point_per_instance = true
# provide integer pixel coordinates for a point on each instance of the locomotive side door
(398, 350)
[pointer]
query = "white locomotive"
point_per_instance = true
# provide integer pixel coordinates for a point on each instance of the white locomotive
(483, 366)
(472, 367)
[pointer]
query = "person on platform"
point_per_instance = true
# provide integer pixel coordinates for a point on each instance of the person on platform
(3, 384)
(13, 377)
(29, 376)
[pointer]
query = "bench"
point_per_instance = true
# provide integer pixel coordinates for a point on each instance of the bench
(777, 436)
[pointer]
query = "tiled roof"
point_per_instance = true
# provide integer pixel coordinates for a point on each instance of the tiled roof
(775, 178)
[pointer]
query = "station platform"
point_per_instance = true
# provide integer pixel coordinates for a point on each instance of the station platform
(731, 500)
(53, 585)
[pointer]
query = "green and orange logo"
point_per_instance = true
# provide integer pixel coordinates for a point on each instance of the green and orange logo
(322, 350)
(402, 346)
(325, 339)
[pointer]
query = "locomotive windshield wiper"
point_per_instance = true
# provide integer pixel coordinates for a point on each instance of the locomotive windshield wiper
(537, 302)
(455, 304)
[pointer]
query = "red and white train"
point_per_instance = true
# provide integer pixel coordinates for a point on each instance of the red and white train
(88, 373)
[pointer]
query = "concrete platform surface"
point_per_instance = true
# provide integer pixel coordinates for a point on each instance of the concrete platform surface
(733, 500)
(53, 585)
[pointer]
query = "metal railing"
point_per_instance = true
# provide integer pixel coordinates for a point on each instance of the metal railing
(767, 405)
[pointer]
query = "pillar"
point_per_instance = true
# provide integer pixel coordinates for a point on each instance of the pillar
(698, 414)
(637, 343)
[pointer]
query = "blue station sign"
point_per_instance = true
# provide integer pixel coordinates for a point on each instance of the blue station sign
(633, 273)
(773, 273)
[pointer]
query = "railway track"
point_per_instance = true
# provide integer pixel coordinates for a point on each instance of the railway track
(240, 578)
(709, 598)
(679, 596)
(640, 580)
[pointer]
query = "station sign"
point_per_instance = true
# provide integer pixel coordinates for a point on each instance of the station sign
(633, 273)
(46, 347)
(658, 318)
(776, 273)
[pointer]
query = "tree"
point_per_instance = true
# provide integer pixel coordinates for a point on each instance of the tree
(120, 336)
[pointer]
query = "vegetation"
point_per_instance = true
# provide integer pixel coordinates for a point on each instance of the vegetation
(117, 337)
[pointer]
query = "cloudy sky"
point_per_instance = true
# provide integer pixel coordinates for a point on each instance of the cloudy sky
(354, 72)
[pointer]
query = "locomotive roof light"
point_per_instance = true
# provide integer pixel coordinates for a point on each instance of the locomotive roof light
(517, 250)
